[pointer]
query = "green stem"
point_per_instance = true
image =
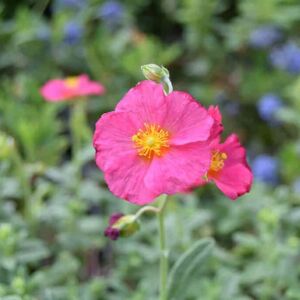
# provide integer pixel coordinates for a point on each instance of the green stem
(163, 251)
(168, 87)
(80, 133)
(146, 209)
(75, 129)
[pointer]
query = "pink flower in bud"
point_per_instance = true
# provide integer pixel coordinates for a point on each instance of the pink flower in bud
(110, 231)
(114, 218)
(121, 226)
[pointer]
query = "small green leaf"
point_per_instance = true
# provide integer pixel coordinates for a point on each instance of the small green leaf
(186, 265)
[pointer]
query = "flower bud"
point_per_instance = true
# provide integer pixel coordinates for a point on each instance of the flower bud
(154, 72)
(127, 225)
(114, 218)
(121, 226)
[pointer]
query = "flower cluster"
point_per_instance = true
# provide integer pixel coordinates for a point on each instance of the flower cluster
(155, 144)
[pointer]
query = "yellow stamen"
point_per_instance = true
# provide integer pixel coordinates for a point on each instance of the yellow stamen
(71, 82)
(151, 140)
(217, 161)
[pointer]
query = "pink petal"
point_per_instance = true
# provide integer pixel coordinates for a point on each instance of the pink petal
(112, 138)
(54, 90)
(215, 113)
(127, 181)
(235, 151)
(87, 87)
(116, 156)
(146, 100)
(217, 128)
(179, 170)
(235, 181)
(186, 119)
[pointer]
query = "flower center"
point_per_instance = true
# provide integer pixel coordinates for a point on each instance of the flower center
(151, 140)
(217, 161)
(71, 82)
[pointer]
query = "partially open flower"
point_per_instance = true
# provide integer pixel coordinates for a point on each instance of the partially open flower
(229, 168)
(71, 87)
(153, 143)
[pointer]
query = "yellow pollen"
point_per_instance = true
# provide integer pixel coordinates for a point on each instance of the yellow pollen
(71, 82)
(151, 140)
(217, 161)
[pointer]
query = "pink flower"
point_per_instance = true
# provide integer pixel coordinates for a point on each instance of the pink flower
(71, 87)
(229, 168)
(153, 144)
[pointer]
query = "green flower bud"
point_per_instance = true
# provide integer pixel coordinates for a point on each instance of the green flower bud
(127, 225)
(121, 226)
(155, 73)
(159, 75)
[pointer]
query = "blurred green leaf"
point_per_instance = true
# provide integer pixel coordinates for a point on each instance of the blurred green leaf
(182, 272)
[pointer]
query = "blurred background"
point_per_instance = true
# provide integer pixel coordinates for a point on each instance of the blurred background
(243, 55)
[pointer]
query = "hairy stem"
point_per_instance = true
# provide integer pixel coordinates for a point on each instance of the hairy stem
(163, 250)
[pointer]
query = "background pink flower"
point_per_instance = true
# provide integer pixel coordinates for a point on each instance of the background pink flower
(229, 168)
(71, 87)
(153, 144)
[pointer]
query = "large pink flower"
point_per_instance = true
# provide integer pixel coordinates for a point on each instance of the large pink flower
(153, 144)
(71, 87)
(229, 168)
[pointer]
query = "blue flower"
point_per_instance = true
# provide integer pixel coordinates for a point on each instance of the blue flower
(268, 106)
(73, 32)
(287, 58)
(265, 169)
(111, 12)
(264, 36)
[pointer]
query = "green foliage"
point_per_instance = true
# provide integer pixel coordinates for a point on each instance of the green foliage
(54, 203)
(183, 271)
